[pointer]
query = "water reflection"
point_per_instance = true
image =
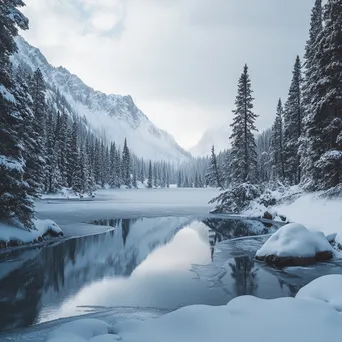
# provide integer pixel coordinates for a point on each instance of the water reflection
(160, 263)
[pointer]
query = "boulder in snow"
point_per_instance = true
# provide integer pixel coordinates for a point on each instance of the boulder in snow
(295, 245)
(267, 215)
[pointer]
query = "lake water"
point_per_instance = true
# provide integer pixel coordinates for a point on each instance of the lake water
(161, 263)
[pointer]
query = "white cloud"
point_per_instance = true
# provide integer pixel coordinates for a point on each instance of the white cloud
(179, 59)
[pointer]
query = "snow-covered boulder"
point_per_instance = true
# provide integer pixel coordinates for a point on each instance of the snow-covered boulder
(327, 289)
(48, 227)
(295, 245)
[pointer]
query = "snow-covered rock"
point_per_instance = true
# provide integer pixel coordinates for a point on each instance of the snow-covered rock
(115, 115)
(294, 245)
(327, 289)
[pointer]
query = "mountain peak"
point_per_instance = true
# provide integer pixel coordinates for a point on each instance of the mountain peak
(116, 116)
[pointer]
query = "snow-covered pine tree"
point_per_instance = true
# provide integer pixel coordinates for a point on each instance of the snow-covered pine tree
(112, 165)
(52, 172)
(97, 162)
(276, 146)
(118, 178)
(62, 146)
(106, 166)
(141, 172)
(263, 151)
(30, 136)
(213, 176)
(167, 178)
(293, 115)
(72, 154)
(244, 159)
(155, 175)
(37, 91)
(186, 183)
(149, 179)
(126, 165)
(134, 178)
(179, 179)
(310, 73)
(79, 178)
(323, 126)
(15, 203)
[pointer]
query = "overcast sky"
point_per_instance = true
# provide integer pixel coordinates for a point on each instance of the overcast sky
(179, 59)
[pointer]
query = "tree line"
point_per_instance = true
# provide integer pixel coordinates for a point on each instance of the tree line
(304, 145)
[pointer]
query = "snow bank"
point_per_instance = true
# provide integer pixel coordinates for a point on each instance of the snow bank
(81, 330)
(327, 289)
(294, 240)
(66, 193)
(316, 213)
(13, 236)
(245, 318)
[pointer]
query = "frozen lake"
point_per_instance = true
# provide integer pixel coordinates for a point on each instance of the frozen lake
(153, 252)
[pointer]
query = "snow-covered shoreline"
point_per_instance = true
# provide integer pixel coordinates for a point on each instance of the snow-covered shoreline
(13, 236)
(320, 305)
(309, 209)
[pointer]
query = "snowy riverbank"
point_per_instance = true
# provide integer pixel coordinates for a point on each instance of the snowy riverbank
(245, 318)
(309, 209)
(12, 236)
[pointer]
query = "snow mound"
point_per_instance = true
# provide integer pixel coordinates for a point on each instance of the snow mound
(244, 319)
(46, 226)
(295, 240)
(81, 330)
(327, 289)
(281, 320)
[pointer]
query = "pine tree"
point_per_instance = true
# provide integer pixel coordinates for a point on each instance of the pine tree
(112, 165)
(30, 136)
(134, 179)
(78, 179)
(186, 183)
(15, 203)
(141, 172)
(155, 175)
(179, 180)
(106, 166)
(276, 146)
(293, 127)
(150, 180)
(118, 178)
(323, 126)
(72, 154)
(97, 162)
(213, 176)
(243, 164)
(126, 165)
(61, 146)
(310, 73)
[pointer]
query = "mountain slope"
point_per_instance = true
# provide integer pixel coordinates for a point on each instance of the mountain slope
(218, 136)
(114, 116)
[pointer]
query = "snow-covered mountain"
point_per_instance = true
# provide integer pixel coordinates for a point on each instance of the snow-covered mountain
(115, 116)
(218, 136)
